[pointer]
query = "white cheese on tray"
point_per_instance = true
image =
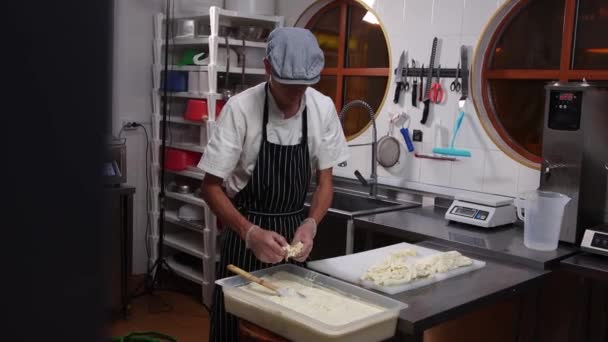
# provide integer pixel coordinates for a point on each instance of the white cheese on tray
(402, 266)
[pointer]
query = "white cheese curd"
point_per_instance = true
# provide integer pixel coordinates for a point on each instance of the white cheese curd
(403, 266)
(321, 304)
(293, 251)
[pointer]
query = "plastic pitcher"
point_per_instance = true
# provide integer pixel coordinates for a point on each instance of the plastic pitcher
(544, 211)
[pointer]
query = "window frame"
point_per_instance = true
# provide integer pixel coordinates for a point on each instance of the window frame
(341, 71)
(482, 73)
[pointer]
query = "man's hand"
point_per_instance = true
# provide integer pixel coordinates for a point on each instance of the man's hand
(267, 246)
(305, 234)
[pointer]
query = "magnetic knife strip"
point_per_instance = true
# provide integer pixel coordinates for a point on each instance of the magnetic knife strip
(445, 72)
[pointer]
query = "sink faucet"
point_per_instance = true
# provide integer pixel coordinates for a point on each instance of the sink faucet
(373, 179)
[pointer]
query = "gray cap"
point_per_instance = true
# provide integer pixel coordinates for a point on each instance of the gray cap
(295, 56)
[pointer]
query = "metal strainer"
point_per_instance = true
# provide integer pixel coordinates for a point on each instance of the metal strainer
(388, 149)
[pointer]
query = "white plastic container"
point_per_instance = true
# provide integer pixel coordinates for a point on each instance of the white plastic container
(298, 327)
(263, 7)
(544, 211)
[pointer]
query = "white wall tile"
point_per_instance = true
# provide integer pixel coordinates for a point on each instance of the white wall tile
(476, 15)
(291, 9)
(391, 15)
(360, 159)
(528, 179)
(418, 28)
(447, 17)
(434, 172)
(467, 173)
(500, 174)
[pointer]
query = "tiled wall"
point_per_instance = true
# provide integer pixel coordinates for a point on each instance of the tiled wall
(411, 26)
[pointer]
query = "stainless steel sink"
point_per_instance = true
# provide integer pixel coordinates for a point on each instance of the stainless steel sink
(347, 205)
(352, 205)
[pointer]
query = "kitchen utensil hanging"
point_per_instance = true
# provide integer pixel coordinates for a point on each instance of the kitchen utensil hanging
(429, 80)
(400, 79)
(436, 95)
(388, 149)
(227, 94)
(405, 132)
(455, 85)
(414, 86)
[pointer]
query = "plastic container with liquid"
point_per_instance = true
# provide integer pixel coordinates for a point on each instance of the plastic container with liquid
(295, 326)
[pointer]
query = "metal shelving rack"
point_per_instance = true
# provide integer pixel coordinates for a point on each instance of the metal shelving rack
(197, 240)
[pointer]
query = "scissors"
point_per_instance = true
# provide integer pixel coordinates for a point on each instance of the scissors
(436, 93)
(455, 85)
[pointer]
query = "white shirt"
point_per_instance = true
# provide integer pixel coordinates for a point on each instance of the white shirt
(233, 149)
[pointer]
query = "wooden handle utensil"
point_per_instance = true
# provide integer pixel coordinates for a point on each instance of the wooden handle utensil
(253, 278)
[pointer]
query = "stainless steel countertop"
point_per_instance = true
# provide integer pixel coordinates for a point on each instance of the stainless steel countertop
(588, 265)
(428, 223)
(436, 303)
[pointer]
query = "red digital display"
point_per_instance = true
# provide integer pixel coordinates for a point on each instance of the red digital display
(566, 96)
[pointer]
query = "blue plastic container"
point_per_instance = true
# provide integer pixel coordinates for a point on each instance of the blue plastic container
(177, 81)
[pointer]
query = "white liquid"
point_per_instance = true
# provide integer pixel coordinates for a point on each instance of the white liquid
(321, 304)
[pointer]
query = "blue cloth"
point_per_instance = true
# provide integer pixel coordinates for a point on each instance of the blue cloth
(295, 56)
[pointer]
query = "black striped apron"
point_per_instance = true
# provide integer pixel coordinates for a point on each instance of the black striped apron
(273, 199)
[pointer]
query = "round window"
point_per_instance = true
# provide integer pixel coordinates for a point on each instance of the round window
(357, 59)
(527, 44)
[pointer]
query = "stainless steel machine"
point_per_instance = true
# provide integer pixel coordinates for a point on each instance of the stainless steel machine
(575, 153)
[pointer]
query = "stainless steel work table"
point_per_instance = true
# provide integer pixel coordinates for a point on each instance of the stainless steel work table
(436, 303)
(428, 223)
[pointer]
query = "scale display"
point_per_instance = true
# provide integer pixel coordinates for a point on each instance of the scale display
(471, 213)
(600, 241)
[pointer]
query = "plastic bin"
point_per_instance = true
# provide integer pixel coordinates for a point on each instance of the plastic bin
(177, 81)
(298, 327)
(178, 160)
(196, 110)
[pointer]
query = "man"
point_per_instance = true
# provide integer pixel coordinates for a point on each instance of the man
(268, 141)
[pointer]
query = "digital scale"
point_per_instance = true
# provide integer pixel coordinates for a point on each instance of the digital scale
(596, 240)
(482, 210)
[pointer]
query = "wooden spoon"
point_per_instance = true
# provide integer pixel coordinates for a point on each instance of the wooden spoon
(281, 291)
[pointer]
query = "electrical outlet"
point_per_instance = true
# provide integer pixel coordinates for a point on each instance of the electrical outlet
(126, 125)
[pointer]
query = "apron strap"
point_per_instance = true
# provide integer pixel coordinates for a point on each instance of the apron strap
(265, 122)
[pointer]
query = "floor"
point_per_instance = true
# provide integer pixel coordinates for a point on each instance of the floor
(179, 315)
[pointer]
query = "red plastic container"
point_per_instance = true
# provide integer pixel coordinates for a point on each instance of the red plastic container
(178, 160)
(196, 110)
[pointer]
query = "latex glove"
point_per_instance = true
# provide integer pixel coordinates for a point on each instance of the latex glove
(305, 234)
(267, 246)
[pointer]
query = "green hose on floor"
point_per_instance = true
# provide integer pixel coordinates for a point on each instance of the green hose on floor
(144, 337)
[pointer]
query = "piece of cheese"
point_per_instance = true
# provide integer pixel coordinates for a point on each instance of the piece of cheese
(403, 266)
(293, 251)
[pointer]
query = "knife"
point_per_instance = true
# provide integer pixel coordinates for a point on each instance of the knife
(464, 76)
(414, 86)
(429, 80)
(399, 77)
(421, 83)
